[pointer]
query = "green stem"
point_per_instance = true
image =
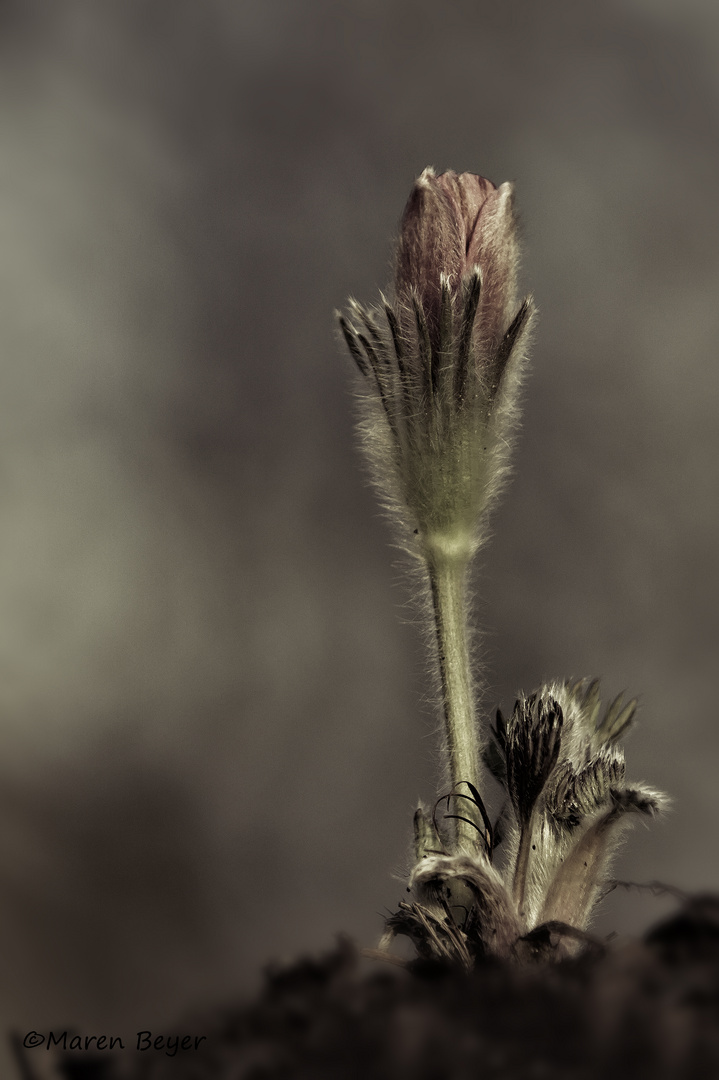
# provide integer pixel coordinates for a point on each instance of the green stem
(448, 580)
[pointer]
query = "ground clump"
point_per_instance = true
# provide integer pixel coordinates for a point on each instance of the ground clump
(645, 1008)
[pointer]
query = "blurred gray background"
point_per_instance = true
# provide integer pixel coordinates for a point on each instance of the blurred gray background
(216, 720)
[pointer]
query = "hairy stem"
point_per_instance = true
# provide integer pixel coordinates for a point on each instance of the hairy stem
(448, 580)
(519, 885)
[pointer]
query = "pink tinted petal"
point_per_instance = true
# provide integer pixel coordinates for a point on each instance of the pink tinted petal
(473, 192)
(431, 241)
(494, 249)
(467, 193)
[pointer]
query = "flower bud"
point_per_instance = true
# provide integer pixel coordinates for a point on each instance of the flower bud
(534, 736)
(454, 224)
(442, 364)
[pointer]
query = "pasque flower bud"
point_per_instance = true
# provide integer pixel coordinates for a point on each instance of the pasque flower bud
(452, 224)
(443, 361)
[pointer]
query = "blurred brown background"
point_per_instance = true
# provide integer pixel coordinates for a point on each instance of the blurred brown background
(215, 722)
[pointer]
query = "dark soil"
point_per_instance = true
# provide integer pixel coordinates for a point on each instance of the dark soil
(645, 1009)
